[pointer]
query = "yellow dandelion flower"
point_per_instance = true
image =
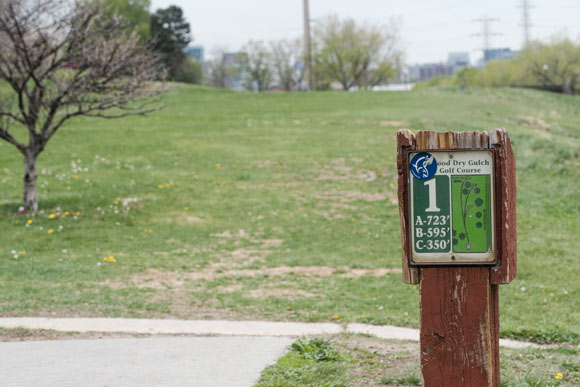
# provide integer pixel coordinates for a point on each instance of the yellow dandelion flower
(159, 186)
(49, 231)
(186, 208)
(23, 252)
(58, 214)
(116, 202)
(558, 376)
(66, 213)
(218, 166)
(336, 317)
(29, 221)
(51, 216)
(77, 213)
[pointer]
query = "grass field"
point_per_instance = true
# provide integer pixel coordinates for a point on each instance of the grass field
(277, 206)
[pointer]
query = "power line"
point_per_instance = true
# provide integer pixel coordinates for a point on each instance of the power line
(526, 20)
(486, 32)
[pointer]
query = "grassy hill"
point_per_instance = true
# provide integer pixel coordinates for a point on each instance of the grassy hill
(277, 206)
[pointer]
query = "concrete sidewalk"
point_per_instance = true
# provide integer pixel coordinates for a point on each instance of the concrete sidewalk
(235, 355)
(162, 361)
(219, 328)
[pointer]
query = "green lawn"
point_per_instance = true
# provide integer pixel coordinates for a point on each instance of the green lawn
(277, 206)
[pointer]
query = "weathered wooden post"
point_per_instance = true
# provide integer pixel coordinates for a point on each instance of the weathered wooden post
(457, 201)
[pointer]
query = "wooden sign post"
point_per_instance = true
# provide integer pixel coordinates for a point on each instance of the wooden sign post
(457, 201)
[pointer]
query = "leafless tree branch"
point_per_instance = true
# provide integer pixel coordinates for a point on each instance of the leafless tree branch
(63, 59)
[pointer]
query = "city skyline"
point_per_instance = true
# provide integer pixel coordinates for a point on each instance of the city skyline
(428, 30)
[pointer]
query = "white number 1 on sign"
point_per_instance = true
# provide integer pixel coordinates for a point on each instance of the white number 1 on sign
(432, 196)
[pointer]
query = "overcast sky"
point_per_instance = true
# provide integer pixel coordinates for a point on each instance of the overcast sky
(429, 29)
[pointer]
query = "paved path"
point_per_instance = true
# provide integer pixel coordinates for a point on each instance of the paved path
(173, 361)
(234, 355)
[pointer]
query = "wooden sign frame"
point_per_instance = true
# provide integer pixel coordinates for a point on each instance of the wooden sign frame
(460, 303)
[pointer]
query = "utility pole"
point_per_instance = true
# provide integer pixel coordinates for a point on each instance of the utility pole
(486, 32)
(526, 21)
(308, 47)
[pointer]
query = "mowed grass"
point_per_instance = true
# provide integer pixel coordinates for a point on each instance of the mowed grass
(277, 206)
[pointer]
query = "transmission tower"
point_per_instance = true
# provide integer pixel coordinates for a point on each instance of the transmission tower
(526, 20)
(486, 31)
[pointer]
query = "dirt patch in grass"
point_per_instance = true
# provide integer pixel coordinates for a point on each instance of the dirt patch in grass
(338, 170)
(378, 362)
(289, 294)
(267, 243)
(322, 271)
(152, 279)
(400, 124)
(159, 279)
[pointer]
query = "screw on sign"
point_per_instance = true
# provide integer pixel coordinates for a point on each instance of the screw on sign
(458, 234)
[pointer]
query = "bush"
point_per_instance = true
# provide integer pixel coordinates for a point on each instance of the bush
(189, 71)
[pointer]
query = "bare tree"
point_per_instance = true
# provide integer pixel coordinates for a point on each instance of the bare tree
(287, 62)
(353, 54)
(218, 69)
(62, 59)
(256, 62)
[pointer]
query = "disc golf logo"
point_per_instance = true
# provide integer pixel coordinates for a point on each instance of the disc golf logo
(423, 166)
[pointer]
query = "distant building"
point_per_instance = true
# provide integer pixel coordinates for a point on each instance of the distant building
(195, 52)
(225, 70)
(426, 71)
(458, 59)
(498, 54)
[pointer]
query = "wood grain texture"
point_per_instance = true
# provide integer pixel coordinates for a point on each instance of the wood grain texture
(459, 326)
(405, 140)
(506, 232)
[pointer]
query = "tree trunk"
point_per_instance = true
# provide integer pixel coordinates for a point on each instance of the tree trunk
(30, 193)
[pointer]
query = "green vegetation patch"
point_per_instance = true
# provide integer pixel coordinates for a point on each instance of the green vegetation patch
(363, 360)
(310, 362)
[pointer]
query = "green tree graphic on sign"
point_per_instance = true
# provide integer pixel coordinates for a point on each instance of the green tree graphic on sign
(471, 213)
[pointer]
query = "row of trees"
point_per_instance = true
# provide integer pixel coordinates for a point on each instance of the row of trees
(344, 52)
(551, 65)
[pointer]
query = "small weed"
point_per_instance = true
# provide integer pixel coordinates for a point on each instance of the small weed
(310, 362)
(316, 349)
(571, 366)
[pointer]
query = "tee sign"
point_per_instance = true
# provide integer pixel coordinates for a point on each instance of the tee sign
(452, 207)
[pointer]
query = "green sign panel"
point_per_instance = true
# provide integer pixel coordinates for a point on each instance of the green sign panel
(471, 213)
(451, 207)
